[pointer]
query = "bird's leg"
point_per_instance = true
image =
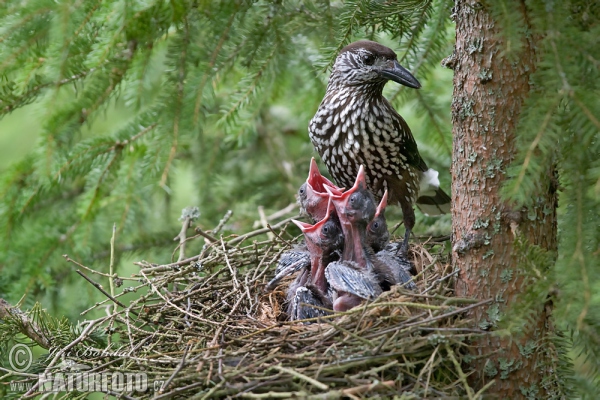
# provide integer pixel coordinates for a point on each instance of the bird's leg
(408, 214)
(403, 251)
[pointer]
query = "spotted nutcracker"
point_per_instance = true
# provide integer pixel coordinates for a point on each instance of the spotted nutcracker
(356, 125)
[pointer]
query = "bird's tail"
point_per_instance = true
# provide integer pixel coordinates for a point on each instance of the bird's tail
(432, 200)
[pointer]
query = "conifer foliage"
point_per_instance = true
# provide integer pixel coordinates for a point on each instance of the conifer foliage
(223, 89)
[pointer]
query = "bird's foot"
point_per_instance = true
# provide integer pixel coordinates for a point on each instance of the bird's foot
(403, 250)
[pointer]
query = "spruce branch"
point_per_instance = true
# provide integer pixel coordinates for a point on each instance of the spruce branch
(28, 327)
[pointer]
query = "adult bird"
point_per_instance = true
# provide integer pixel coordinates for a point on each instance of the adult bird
(356, 125)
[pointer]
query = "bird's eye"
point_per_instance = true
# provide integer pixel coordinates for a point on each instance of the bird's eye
(375, 225)
(368, 59)
(325, 229)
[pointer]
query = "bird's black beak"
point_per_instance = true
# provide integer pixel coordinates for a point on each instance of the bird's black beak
(399, 74)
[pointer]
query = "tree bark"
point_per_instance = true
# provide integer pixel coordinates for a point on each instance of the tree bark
(489, 92)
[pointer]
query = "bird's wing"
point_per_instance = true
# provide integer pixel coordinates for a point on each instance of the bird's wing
(289, 262)
(347, 277)
(306, 304)
(395, 268)
(409, 145)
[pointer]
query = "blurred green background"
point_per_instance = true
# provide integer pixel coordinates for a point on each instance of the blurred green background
(20, 133)
(213, 100)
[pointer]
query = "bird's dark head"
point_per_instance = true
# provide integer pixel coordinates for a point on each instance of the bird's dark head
(357, 204)
(367, 63)
(377, 231)
(325, 235)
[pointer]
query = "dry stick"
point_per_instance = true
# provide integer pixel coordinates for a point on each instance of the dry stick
(374, 371)
(429, 367)
(459, 371)
(236, 284)
(264, 271)
(69, 259)
(303, 377)
(483, 389)
(425, 269)
(10, 372)
(26, 326)
(257, 232)
(440, 280)
(277, 235)
(222, 222)
(177, 370)
(104, 292)
(206, 235)
(367, 388)
(228, 244)
(98, 304)
(168, 302)
(276, 395)
(214, 342)
(247, 285)
(212, 390)
(182, 237)
(277, 214)
(457, 311)
(264, 223)
(111, 284)
(352, 334)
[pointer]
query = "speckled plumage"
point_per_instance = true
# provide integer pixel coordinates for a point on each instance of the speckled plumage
(356, 125)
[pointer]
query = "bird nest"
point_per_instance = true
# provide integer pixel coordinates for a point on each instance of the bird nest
(206, 328)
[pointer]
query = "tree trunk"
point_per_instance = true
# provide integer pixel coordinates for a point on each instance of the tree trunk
(489, 91)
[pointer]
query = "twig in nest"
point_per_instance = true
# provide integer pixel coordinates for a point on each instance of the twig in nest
(303, 377)
(222, 222)
(188, 215)
(440, 280)
(263, 230)
(111, 266)
(233, 274)
(278, 236)
(461, 375)
(263, 221)
(177, 370)
(104, 292)
(278, 214)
